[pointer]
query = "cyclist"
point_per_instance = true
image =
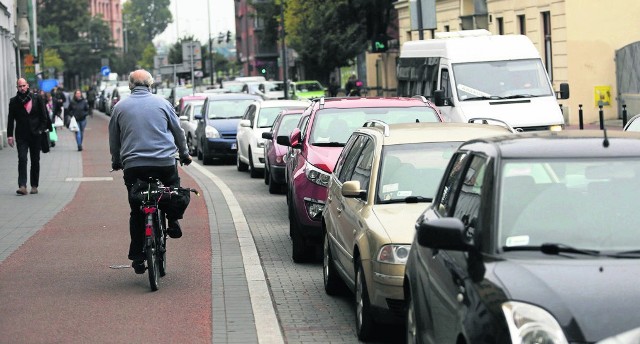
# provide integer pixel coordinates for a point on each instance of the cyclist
(144, 132)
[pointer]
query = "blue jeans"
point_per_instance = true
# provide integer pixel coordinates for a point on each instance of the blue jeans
(31, 147)
(80, 133)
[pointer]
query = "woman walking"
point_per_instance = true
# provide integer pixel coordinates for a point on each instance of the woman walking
(79, 109)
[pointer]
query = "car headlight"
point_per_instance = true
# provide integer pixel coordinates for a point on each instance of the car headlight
(556, 127)
(393, 254)
(529, 324)
(316, 175)
(211, 132)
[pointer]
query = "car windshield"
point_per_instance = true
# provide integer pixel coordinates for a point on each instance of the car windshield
(231, 108)
(268, 115)
(274, 86)
(334, 126)
(233, 87)
(288, 123)
(181, 92)
(197, 108)
(309, 87)
(581, 203)
(501, 79)
(412, 170)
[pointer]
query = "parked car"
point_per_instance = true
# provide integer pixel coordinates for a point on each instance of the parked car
(323, 130)
(189, 123)
(110, 101)
(105, 97)
(306, 89)
(257, 119)
(196, 98)
(272, 89)
(633, 124)
(217, 125)
(178, 92)
(529, 236)
(383, 178)
(274, 153)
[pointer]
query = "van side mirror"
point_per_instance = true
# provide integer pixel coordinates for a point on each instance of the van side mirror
(438, 97)
(564, 90)
(267, 135)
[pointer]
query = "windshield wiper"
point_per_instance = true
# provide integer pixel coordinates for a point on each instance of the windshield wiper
(328, 144)
(625, 254)
(482, 98)
(410, 199)
(520, 96)
(552, 249)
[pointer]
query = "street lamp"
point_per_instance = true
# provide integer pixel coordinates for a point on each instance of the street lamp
(212, 70)
(285, 75)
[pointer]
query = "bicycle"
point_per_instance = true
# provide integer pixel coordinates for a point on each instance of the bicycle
(155, 246)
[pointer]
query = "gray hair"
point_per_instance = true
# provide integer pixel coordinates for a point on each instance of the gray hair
(140, 77)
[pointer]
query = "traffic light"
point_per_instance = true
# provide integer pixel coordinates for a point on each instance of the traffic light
(228, 36)
(263, 70)
(379, 44)
(220, 37)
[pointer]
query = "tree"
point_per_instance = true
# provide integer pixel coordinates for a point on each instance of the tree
(143, 20)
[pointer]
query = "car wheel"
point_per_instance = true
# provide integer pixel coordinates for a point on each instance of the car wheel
(241, 166)
(411, 328)
(266, 173)
(252, 170)
(299, 252)
(365, 324)
(333, 285)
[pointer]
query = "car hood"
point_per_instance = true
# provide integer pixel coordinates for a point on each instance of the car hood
(225, 125)
(399, 219)
(323, 157)
(578, 292)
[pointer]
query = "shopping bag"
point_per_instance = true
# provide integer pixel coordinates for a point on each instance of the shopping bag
(44, 142)
(58, 122)
(53, 135)
(73, 124)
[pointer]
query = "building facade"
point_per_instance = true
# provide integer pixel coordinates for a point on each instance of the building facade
(111, 11)
(577, 40)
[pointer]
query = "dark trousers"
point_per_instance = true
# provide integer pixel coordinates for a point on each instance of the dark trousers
(30, 146)
(168, 175)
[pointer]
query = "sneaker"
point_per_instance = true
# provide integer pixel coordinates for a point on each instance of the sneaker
(34, 190)
(22, 190)
(138, 266)
(174, 230)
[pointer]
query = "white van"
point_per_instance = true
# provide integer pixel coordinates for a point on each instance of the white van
(473, 74)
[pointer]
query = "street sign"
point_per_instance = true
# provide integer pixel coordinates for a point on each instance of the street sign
(191, 49)
(105, 71)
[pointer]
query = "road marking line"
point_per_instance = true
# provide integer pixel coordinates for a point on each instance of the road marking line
(88, 179)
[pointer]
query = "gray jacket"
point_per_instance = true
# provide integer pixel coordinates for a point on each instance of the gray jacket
(144, 130)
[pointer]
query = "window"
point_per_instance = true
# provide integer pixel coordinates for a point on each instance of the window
(351, 159)
(500, 25)
(522, 25)
(548, 56)
(467, 205)
(362, 170)
(445, 85)
(451, 183)
(343, 155)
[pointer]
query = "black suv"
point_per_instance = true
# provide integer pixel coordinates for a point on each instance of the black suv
(530, 236)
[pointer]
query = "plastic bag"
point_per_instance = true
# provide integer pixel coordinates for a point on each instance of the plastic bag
(73, 124)
(53, 135)
(58, 122)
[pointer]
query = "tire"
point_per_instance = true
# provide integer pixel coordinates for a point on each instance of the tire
(267, 173)
(153, 266)
(241, 166)
(299, 252)
(411, 325)
(365, 324)
(333, 284)
(162, 255)
(252, 170)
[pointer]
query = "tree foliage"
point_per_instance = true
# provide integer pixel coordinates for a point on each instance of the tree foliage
(143, 21)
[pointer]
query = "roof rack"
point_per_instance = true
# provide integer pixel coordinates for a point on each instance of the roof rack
(373, 122)
(423, 98)
(322, 102)
(486, 120)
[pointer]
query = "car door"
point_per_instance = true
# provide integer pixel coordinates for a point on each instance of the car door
(449, 294)
(243, 135)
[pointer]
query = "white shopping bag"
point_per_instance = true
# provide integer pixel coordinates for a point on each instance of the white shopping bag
(73, 124)
(58, 122)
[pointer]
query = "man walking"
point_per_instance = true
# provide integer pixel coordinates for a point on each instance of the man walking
(27, 120)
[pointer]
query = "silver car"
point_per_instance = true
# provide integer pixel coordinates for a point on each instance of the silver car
(189, 124)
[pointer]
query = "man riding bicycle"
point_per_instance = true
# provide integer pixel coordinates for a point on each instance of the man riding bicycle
(144, 133)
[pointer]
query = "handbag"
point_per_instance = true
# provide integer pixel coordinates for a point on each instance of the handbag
(45, 142)
(58, 122)
(73, 124)
(53, 135)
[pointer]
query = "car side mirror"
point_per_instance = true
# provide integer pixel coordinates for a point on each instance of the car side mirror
(351, 189)
(564, 91)
(184, 118)
(245, 123)
(439, 99)
(197, 116)
(267, 135)
(294, 138)
(446, 233)
(283, 140)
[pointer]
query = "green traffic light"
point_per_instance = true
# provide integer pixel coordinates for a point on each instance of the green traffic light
(379, 45)
(263, 70)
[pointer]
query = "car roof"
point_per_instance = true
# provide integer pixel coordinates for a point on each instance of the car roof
(402, 133)
(560, 144)
(279, 103)
(360, 102)
(223, 96)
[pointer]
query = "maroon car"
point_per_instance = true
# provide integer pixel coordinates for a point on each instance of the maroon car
(275, 153)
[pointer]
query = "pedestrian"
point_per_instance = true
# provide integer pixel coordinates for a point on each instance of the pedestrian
(353, 86)
(79, 109)
(27, 121)
(58, 101)
(91, 98)
(334, 87)
(144, 135)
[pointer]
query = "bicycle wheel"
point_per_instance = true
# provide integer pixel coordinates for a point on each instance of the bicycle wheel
(162, 243)
(153, 265)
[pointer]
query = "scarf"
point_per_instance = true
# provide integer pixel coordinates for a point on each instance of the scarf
(24, 98)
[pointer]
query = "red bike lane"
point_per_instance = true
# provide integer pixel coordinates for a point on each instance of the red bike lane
(66, 284)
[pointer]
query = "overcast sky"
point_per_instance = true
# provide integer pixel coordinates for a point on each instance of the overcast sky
(190, 18)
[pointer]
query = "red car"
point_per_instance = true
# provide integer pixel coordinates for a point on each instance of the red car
(316, 144)
(275, 153)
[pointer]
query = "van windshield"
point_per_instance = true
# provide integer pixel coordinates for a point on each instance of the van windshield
(501, 80)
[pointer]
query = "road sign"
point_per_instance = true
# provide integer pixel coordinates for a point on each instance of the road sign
(191, 49)
(105, 71)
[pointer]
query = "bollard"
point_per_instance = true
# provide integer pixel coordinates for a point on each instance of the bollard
(601, 114)
(624, 115)
(580, 117)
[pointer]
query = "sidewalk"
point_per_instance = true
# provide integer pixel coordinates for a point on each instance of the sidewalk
(55, 275)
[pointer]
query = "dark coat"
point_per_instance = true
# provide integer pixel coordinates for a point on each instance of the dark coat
(79, 109)
(27, 125)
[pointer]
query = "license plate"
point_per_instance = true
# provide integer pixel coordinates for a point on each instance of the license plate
(233, 146)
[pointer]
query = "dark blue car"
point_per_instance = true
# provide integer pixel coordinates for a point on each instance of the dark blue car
(217, 125)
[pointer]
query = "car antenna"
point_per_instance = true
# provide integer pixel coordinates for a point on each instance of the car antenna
(605, 143)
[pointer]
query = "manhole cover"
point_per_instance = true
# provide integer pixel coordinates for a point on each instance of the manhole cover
(119, 266)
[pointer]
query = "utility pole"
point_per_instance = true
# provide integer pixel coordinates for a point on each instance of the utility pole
(285, 74)
(212, 71)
